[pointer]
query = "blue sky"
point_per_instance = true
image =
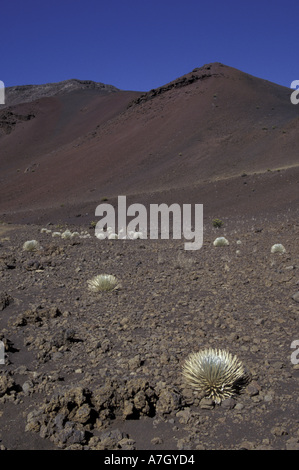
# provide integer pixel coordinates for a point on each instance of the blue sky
(139, 44)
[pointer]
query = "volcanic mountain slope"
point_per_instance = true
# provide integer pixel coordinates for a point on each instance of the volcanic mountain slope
(217, 136)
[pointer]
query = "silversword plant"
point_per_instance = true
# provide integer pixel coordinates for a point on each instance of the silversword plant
(66, 234)
(102, 282)
(215, 373)
(221, 241)
(278, 248)
(31, 245)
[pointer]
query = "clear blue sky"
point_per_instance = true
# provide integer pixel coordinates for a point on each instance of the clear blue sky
(140, 44)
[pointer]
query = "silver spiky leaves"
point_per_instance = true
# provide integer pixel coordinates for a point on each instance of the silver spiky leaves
(31, 245)
(215, 373)
(102, 282)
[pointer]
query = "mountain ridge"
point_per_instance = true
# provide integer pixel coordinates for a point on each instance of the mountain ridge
(18, 94)
(215, 123)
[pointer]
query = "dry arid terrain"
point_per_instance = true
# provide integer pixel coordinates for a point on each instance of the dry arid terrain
(103, 371)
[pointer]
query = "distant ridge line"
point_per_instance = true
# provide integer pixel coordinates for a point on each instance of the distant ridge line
(26, 93)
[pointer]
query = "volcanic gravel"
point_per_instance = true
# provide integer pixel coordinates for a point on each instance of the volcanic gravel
(87, 370)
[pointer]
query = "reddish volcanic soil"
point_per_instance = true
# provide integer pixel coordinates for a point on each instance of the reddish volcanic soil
(104, 371)
(193, 138)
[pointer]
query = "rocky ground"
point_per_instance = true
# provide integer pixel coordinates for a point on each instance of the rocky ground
(104, 371)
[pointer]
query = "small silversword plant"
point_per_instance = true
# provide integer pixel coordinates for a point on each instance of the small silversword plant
(102, 282)
(215, 373)
(278, 248)
(31, 245)
(66, 234)
(221, 241)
